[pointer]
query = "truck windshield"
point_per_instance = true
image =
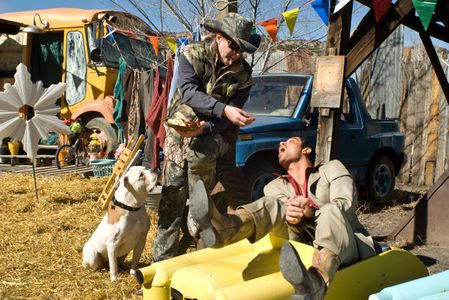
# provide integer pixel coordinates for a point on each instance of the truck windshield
(137, 53)
(275, 95)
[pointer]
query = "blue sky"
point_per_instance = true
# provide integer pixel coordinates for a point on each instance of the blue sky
(18, 5)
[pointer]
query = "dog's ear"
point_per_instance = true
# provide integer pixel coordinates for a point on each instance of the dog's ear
(126, 182)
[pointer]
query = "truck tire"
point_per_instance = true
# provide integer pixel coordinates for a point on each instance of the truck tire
(381, 179)
(106, 131)
(259, 174)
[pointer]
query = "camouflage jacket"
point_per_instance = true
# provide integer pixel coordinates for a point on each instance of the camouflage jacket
(202, 93)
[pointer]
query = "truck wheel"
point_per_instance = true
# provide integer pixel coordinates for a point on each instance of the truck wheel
(259, 174)
(381, 179)
(105, 132)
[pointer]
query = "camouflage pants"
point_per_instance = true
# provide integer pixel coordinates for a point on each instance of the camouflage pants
(201, 163)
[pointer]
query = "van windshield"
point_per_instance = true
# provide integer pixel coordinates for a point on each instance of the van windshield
(275, 95)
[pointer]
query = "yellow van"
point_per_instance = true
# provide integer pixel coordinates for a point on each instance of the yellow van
(81, 48)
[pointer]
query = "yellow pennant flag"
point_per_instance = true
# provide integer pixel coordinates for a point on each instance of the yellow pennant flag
(172, 44)
(290, 18)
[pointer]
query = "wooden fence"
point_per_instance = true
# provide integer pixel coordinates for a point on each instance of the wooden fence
(399, 82)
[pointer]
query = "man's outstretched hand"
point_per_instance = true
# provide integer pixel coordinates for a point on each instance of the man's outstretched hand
(237, 116)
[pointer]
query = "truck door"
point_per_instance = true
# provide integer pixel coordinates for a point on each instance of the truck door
(351, 134)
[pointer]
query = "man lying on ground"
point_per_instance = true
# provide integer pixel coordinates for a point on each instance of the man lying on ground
(309, 204)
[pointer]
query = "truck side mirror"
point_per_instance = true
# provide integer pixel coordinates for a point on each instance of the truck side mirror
(96, 56)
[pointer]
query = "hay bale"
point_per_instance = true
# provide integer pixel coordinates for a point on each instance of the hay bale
(42, 240)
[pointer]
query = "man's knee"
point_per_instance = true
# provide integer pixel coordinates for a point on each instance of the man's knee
(330, 211)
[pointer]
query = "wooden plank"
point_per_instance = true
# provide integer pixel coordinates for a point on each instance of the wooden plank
(328, 81)
(375, 34)
(435, 30)
(339, 29)
(120, 167)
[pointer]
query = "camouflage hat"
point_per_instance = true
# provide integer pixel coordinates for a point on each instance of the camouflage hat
(236, 28)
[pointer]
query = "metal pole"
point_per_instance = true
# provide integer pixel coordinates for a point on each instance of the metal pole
(34, 177)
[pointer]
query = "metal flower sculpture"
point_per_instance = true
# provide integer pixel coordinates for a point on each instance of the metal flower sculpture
(28, 111)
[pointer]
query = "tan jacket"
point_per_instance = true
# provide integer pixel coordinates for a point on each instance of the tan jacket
(331, 183)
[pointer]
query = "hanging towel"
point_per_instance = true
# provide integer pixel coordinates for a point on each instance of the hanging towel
(119, 96)
(158, 110)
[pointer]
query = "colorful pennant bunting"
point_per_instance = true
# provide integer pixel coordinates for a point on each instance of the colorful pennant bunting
(182, 41)
(155, 42)
(271, 27)
(321, 7)
(340, 5)
(380, 8)
(290, 18)
(425, 9)
(171, 44)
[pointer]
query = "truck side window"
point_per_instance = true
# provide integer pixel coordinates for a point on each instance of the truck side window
(75, 68)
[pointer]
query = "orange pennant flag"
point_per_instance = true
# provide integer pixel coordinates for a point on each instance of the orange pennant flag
(155, 42)
(271, 27)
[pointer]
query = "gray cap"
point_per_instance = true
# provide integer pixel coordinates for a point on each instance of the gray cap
(236, 28)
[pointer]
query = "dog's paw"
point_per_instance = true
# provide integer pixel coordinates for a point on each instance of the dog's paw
(113, 277)
(132, 272)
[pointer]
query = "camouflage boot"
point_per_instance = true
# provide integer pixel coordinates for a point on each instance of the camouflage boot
(308, 284)
(217, 230)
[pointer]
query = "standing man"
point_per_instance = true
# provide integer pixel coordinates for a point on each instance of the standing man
(309, 204)
(214, 83)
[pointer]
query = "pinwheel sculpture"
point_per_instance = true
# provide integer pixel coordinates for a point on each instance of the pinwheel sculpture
(28, 112)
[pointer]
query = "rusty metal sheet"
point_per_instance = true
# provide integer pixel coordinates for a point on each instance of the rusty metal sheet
(428, 222)
(328, 81)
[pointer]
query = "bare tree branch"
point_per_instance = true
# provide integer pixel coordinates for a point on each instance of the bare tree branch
(179, 16)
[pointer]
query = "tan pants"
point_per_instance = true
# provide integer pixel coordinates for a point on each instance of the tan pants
(349, 241)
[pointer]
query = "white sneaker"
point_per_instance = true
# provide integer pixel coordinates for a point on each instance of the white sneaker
(193, 226)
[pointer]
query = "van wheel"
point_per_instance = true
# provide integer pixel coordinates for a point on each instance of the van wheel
(381, 179)
(259, 174)
(106, 133)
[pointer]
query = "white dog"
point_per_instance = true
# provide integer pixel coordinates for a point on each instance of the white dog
(125, 225)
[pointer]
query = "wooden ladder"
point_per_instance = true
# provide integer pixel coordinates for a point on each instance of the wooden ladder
(120, 167)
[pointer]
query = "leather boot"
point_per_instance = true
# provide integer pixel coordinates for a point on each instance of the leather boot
(216, 229)
(326, 263)
(308, 284)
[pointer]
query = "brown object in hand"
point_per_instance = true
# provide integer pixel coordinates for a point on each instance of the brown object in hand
(183, 125)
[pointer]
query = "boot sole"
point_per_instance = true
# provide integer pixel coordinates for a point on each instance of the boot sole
(294, 271)
(291, 266)
(199, 209)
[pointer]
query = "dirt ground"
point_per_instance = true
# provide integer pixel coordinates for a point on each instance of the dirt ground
(41, 240)
(382, 219)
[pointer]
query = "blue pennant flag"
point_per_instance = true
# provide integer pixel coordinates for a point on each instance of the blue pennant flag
(321, 7)
(182, 41)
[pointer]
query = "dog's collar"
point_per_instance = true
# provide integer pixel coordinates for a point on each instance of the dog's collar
(124, 206)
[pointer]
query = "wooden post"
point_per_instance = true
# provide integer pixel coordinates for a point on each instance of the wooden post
(432, 130)
(224, 7)
(337, 44)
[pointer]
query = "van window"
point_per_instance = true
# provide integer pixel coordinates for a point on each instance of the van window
(274, 96)
(75, 68)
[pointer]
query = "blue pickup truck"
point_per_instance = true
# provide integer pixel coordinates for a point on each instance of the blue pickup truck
(372, 150)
